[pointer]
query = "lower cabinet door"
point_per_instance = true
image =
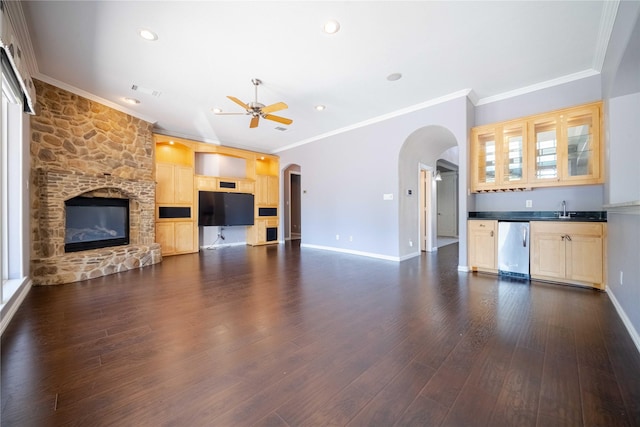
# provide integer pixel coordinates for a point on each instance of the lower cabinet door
(184, 237)
(165, 236)
(547, 254)
(584, 259)
(175, 237)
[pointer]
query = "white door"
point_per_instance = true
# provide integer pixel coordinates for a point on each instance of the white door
(447, 211)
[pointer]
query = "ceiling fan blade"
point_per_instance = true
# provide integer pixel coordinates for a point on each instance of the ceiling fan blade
(274, 107)
(278, 119)
(240, 103)
(254, 122)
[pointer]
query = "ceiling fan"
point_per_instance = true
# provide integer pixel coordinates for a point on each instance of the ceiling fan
(257, 110)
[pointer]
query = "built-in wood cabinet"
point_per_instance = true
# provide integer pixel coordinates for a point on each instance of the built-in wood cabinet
(177, 162)
(565, 147)
(230, 185)
(568, 252)
(175, 215)
(267, 190)
(562, 147)
(498, 156)
(174, 184)
(267, 199)
(175, 237)
(482, 245)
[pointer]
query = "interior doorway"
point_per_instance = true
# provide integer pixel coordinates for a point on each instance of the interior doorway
(447, 202)
(295, 220)
(427, 208)
(292, 206)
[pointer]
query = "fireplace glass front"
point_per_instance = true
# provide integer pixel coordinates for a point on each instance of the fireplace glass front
(95, 222)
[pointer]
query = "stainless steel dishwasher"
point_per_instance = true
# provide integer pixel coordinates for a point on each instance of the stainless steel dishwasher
(513, 249)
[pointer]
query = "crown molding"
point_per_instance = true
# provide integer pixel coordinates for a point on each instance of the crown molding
(538, 86)
(19, 24)
(397, 113)
(608, 18)
(92, 97)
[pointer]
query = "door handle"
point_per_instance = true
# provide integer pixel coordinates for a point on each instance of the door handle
(568, 237)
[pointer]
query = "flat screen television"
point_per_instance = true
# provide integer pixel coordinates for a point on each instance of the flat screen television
(216, 208)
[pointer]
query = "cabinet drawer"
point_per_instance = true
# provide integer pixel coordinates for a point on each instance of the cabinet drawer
(205, 183)
(271, 222)
(559, 227)
(246, 186)
(482, 225)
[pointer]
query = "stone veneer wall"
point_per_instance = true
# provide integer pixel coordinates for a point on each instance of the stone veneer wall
(80, 147)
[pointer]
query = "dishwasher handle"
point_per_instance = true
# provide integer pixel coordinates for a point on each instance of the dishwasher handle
(524, 236)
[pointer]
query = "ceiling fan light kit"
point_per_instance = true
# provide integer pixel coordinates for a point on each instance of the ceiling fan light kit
(256, 109)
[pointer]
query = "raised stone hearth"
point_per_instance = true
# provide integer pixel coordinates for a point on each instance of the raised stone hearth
(82, 148)
(54, 266)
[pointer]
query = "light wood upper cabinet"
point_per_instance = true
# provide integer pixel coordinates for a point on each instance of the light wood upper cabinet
(498, 156)
(482, 241)
(267, 193)
(174, 184)
(568, 252)
(566, 147)
(563, 147)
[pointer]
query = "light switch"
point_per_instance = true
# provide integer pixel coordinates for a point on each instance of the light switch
(387, 196)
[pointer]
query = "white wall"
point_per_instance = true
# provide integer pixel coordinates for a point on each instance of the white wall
(624, 148)
(578, 198)
(345, 177)
(622, 123)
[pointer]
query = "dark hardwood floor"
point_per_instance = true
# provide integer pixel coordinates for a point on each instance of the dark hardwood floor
(284, 336)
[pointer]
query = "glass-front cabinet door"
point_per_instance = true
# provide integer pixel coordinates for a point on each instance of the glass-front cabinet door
(544, 149)
(484, 158)
(513, 155)
(581, 149)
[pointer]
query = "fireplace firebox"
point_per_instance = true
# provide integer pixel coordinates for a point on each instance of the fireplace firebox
(95, 222)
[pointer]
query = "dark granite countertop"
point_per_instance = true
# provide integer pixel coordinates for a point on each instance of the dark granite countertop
(576, 216)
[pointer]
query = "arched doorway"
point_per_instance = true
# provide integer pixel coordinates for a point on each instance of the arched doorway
(417, 165)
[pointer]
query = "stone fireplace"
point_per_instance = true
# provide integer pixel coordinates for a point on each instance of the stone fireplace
(82, 148)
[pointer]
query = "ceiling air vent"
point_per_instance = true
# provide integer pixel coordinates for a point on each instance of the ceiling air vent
(280, 128)
(146, 91)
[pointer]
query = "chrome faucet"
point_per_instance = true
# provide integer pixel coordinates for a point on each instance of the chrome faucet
(564, 211)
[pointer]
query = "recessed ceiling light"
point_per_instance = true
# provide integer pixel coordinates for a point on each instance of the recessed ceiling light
(320, 107)
(331, 27)
(394, 76)
(147, 34)
(131, 101)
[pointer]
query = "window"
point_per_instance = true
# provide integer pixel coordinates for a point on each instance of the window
(12, 194)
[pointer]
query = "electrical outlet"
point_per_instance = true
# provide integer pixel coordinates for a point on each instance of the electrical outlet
(351, 238)
(337, 237)
(410, 243)
(529, 203)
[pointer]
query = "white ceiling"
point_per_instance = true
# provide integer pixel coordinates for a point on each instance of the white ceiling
(208, 50)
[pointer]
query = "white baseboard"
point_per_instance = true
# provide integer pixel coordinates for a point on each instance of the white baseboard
(352, 252)
(625, 319)
(464, 268)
